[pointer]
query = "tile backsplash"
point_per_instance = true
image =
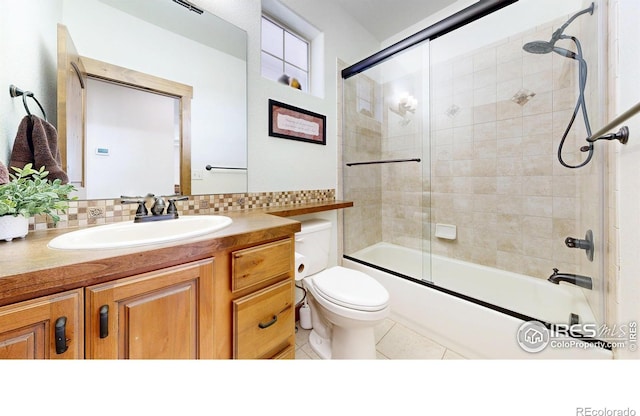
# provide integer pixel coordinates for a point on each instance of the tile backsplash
(105, 211)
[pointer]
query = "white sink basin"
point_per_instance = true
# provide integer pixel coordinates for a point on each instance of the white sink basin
(130, 234)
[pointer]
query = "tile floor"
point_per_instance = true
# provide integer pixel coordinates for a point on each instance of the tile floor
(393, 342)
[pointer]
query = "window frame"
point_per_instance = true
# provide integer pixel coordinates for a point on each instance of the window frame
(287, 29)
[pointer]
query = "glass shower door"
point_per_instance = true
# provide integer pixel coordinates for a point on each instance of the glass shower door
(387, 165)
(501, 106)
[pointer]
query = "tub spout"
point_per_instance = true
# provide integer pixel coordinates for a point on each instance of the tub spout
(575, 279)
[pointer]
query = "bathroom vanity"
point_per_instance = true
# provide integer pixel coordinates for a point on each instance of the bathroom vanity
(229, 294)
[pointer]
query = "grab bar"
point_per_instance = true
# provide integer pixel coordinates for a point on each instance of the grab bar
(209, 167)
(622, 117)
(383, 161)
(623, 134)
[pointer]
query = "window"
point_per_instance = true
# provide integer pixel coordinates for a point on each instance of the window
(285, 55)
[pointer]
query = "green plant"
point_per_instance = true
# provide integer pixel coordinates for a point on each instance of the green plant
(30, 193)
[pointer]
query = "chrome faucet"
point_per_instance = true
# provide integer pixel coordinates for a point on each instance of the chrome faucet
(575, 279)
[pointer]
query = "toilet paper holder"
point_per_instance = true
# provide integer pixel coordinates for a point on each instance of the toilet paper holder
(300, 268)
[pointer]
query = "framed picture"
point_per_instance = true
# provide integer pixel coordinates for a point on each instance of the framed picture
(289, 122)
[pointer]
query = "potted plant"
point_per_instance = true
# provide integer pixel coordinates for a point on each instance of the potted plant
(30, 193)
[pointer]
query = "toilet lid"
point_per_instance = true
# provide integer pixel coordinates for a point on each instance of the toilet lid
(351, 289)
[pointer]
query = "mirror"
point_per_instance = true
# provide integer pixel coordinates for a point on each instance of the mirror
(166, 40)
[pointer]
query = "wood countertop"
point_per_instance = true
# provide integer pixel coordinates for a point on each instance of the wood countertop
(29, 269)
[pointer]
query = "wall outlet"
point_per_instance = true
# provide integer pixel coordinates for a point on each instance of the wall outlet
(197, 175)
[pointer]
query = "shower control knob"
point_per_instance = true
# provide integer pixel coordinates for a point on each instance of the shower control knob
(576, 243)
(586, 244)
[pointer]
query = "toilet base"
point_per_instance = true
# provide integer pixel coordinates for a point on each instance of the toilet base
(319, 345)
(353, 343)
(346, 344)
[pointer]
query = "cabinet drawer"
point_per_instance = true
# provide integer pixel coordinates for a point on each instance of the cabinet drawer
(288, 353)
(254, 265)
(263, 322)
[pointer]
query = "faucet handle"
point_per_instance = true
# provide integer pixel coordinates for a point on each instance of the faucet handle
(142, 208)
(171, 209)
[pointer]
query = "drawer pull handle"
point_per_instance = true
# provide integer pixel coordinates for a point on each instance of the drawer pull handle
(104, 321)
(268, 324)
(61, 335)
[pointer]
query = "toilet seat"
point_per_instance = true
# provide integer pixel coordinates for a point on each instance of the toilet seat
(351, 289)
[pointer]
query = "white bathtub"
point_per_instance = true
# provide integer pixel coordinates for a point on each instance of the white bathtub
(473, 330)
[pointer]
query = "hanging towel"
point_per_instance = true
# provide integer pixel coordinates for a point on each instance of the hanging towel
(37, 143)
(4, 174)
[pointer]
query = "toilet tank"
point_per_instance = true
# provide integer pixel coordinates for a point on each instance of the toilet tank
(313, 242)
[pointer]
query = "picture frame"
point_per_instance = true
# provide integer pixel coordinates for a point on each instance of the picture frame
(293, 123)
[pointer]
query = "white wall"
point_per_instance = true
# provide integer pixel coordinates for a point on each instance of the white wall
(28, 60)
(279, 164)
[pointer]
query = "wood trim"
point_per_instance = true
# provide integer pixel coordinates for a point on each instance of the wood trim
(292, 210)
(185, 146)
(71, 94)
(134, 79)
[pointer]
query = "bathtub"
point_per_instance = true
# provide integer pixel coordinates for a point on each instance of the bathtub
(483, 323)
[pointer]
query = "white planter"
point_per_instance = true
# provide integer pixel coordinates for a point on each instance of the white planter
(13, 227)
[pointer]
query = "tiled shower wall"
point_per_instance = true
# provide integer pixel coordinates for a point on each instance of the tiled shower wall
(391, 200)
(406, 190)
(513, 202)
(498, 116)
(362, 134)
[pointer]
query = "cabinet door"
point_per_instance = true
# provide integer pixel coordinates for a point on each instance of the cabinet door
(47, 327)
(162, 314)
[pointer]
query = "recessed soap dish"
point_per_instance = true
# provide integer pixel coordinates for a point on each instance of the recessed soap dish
(446, 231)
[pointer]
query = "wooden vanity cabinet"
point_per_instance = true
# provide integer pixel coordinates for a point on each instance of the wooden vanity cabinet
(165, 314)
(43, 328)
(224, 298)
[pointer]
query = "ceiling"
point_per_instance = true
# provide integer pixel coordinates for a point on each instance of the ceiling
(384, 18)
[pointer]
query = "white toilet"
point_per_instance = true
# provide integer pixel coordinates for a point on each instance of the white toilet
(345, 304)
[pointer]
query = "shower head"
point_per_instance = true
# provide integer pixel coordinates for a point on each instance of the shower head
(542, 47)
(538, 47)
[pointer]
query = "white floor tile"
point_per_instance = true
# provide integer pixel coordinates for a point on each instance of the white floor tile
(402, 343)
(393, 342)
(302, 336)
(450, 355)
(301, 355)
(382, 329)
